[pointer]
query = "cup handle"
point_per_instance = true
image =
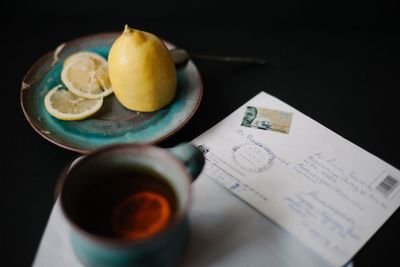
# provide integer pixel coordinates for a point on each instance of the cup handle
(191, 156)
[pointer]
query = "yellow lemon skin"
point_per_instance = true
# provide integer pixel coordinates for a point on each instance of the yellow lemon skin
(141, 70)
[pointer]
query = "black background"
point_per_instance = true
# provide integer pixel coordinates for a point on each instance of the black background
(336, 61)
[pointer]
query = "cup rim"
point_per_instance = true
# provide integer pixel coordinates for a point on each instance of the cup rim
(119, 242)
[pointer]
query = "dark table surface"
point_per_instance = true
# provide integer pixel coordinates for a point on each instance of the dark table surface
(345, 78)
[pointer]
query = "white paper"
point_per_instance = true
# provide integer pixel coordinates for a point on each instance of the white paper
(327, 192)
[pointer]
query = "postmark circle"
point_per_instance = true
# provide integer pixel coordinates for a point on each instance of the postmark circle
(253, 157)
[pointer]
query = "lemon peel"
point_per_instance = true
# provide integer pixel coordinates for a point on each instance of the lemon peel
(142, 71)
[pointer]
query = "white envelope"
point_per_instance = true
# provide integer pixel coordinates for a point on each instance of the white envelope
(327, 192)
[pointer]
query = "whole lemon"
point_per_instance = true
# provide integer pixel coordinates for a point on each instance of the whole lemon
(141, 70)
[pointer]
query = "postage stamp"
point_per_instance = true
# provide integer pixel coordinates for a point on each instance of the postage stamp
(267, 119)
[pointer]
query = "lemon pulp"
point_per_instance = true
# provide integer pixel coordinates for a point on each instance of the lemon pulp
(64, 105)
(86, 74)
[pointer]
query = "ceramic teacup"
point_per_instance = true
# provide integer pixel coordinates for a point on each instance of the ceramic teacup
(128, 204)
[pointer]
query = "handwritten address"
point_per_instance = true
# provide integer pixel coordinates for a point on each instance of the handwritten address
(323, 222)
(325, 171)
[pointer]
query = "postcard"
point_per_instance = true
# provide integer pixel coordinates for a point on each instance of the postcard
(327, 192)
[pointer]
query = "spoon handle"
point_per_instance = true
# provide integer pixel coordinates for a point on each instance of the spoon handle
(246, 60)
(181, 57)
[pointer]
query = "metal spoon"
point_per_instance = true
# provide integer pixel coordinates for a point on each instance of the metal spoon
(181, 57)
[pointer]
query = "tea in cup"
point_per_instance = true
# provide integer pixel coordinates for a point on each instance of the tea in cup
(128, 204)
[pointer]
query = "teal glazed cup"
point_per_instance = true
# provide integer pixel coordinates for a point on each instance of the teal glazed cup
(178, 166)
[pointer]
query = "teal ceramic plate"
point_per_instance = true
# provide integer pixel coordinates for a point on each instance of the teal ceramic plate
(113, 123)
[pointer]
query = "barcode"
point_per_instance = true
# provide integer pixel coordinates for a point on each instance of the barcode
(388, 185)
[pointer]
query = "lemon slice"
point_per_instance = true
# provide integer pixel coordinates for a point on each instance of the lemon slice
(86, 74)
(65, 105)
(141, 215)
(85, 54)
